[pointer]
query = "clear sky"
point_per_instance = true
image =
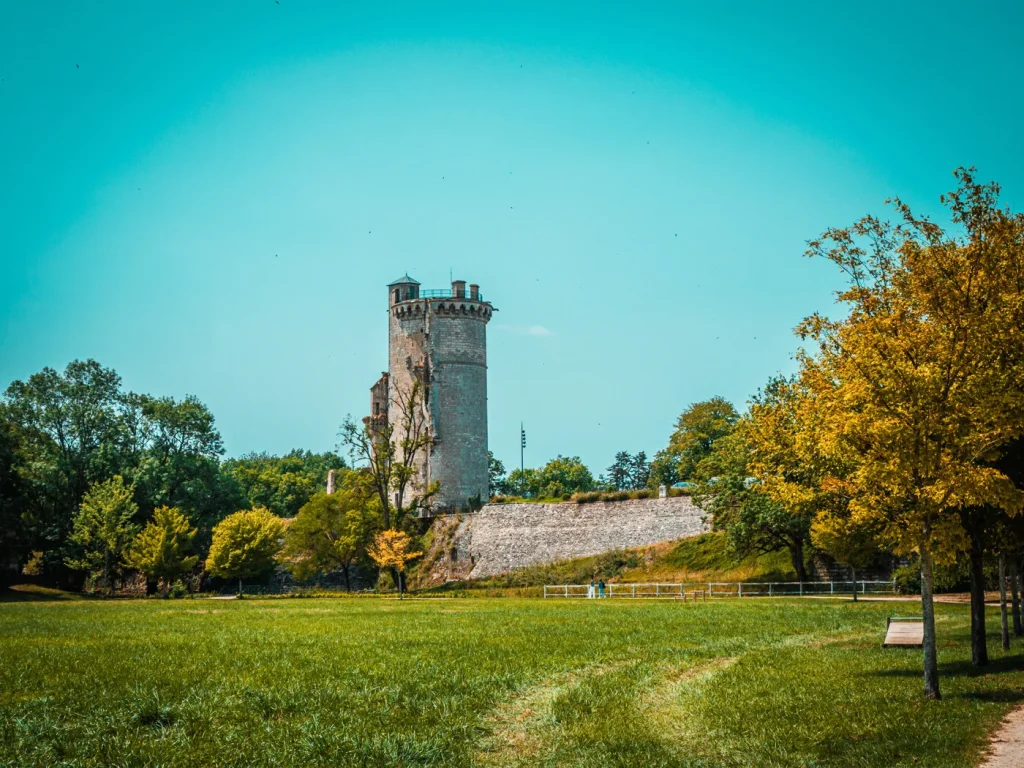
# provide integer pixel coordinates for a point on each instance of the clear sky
(211, 197)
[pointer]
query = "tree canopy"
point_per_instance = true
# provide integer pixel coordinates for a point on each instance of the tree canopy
(162, 549)
(245, 544)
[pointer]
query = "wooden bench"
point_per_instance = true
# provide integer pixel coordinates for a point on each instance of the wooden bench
(904, 632)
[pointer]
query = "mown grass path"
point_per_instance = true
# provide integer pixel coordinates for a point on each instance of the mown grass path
(485, 682)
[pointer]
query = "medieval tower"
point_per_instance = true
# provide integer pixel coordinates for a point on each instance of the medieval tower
(438, 338)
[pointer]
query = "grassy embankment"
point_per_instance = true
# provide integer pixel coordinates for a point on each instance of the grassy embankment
(485, 682)
(698, 559)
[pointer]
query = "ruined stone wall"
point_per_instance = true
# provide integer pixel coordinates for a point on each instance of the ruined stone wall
(503, 537)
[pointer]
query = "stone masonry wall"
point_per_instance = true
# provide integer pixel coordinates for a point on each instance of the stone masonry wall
(503, 537)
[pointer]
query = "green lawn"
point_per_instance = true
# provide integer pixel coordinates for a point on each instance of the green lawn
(495, 682)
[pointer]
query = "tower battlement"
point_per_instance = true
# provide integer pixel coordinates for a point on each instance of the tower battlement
(438, 338)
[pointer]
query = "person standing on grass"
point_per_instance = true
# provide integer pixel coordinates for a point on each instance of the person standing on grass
(600, 588)
(590, 590)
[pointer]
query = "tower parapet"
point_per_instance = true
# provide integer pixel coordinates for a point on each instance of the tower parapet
(438, 337)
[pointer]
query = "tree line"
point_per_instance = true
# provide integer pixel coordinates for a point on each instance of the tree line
(82, 460)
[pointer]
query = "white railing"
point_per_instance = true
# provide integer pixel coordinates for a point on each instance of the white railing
(724, 589)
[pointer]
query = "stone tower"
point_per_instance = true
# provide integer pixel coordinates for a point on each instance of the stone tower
(440, 338)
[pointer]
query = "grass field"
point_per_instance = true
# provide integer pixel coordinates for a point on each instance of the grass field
(342, 682)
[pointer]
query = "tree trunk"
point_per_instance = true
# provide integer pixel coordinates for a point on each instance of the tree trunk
(344, 571)
(796, 554)
(1004, 625)
(979, 648)
(1015, 599)
(239, 586)
(931, 664)
(854, 572)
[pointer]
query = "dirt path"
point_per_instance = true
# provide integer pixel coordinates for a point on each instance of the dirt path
(1007, 744)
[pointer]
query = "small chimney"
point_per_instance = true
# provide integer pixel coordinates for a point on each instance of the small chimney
(459, 289)
(474, 291)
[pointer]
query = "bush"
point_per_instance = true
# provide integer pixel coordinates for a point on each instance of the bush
(908, 580)
(589, 498)
(178, 590)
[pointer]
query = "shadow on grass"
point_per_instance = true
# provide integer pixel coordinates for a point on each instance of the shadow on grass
(31, 593)
(962, 668)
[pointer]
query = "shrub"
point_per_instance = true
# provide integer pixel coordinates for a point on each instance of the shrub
(908, 580)
(178, 589)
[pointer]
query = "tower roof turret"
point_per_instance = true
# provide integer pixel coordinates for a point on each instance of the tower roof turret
(404, 280)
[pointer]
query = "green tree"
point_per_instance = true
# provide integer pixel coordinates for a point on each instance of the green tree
(12, 540)
(664, 469)
(173, 450)
(245, 544)
(496, 482)
(103, 529)
(332, 532)
(561, 475)
(738, 504)
(619, 474)
(282, 484)
(697, 430)
(161, 550)
(69, 433)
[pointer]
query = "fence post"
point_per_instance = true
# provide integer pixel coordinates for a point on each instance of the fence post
(739, 586)
(710, 590)
(801, 589)
(657, 590)
(566, 590)
(831, 587)
(634, 590)
(769, 589)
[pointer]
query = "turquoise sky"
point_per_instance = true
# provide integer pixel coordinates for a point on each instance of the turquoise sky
(211, 197)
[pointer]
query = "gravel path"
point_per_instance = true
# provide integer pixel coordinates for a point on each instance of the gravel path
(1007, 744)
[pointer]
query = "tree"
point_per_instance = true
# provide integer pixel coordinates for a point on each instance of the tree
(332, 532)
(740, 505)
(12, 539)
(561, 475)
(282, 484)
(664, 469)
(245, 544)
(496, 482)
(922, 378)
(639, 471)
(161, 549)
(69, 434)
(103, 529)
(618, 474)
(697, 430)
(393, 549)
(852, 544)
(172, 453)
(391, 446)
(628, 472)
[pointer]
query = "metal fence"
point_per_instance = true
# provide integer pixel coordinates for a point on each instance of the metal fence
(725, 589)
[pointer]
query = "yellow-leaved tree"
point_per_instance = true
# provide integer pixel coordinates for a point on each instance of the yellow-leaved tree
(245, 544)
(923, 381)
(393, 549)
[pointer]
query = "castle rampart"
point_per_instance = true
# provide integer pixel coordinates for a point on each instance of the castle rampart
(502, 537)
